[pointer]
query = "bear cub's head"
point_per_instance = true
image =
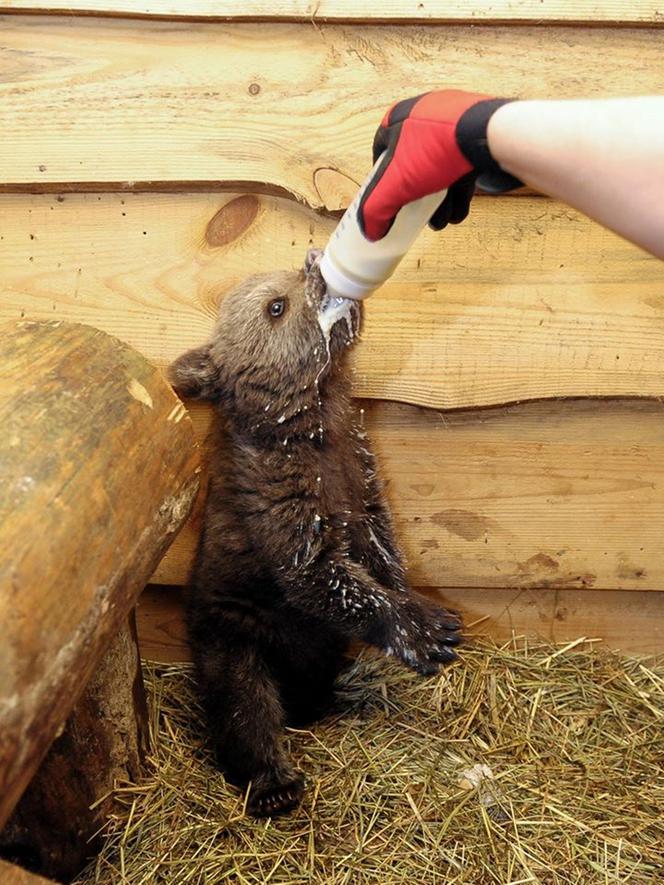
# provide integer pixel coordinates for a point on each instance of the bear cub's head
(277, 336)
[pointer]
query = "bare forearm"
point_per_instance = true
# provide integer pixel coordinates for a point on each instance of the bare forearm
(603, 157)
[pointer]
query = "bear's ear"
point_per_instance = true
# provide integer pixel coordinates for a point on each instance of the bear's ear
(194, 375)
(312, 258)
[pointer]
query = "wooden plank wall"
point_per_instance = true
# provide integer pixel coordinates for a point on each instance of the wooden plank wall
(513, 369)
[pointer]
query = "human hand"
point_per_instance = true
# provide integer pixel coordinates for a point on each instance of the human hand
(432, 142)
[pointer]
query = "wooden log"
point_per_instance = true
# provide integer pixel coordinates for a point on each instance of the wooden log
(92, 103)
(97, 473)
(320, 11)
(564, 494)
(54, 829)
(525, 300)
(13, 875)
(631, 622)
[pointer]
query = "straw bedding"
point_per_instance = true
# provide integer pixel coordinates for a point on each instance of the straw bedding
(522, 763)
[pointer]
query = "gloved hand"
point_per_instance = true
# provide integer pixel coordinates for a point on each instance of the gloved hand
(432, 142)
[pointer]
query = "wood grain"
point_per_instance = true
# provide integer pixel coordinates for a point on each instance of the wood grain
(525, 300)
(618, 11)
(97, 473)
(92, 103)
(561, 494)
(629, 621)
(162, 634)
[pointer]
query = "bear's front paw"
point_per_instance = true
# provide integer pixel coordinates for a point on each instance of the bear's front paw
(425, 637)
(274, 793)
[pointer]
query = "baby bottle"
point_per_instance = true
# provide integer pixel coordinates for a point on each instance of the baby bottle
(353, 266)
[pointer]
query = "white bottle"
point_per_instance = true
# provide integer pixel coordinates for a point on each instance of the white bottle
(353, 266)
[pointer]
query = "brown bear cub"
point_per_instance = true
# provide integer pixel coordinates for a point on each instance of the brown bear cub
(298, 553)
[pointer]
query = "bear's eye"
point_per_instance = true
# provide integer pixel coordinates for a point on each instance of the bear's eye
(276, 307)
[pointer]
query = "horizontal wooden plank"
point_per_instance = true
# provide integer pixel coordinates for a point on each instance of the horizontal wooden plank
(559, 494)
(319, 11)
(86, 102)
(162, 634)
(525, 300)
(631, 622)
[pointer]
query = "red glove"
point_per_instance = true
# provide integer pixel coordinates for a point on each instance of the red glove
(432, 142)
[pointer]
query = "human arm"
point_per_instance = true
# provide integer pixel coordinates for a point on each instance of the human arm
(604, 157)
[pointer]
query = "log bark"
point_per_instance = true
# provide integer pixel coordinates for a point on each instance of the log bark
(54, 828)
(98, 471)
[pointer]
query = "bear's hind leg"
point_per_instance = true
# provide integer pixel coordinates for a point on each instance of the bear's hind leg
(246, 718)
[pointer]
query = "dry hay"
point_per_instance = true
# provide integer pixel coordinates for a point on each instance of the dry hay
(523, 763)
